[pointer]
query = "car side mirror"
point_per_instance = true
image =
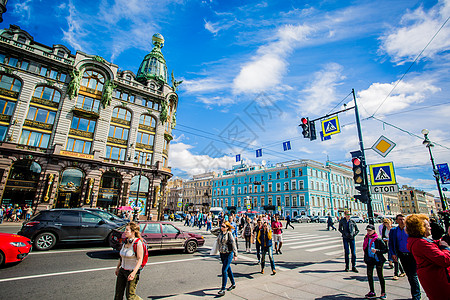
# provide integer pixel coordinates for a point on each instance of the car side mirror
(101, 222)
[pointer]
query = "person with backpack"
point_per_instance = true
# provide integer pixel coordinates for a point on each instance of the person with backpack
(133, 256)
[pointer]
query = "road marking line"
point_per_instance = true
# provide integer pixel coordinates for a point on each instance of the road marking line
(332, 246)
(304, 239)
(94, 270)
(309, 241)
(314, 244)
(66, 251)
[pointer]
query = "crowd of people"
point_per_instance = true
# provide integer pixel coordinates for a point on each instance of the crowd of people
(15, 213)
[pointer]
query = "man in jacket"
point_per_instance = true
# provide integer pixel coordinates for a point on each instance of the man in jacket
(349, 230)
(397, 249)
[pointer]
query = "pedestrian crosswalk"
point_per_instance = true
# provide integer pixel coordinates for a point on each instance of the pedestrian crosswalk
(328, 243)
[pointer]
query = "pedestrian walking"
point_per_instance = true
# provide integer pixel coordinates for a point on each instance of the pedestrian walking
(208, 222)
(127, 270)
(265, 240)
(288, 221)
(247, 232)
(432, 257)
(227, 249)
(349, 231)
(374, 249)
(256, 230)
(330, 222)
(234, 232)
(398, 239)
(277, 234)
(28, 213)
(384, 229)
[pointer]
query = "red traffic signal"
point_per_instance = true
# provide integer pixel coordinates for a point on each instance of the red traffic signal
(356, 161)
(304, 121)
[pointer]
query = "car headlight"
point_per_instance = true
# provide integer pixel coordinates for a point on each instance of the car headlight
(18, 244)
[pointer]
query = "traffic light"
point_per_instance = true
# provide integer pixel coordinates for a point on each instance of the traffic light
(358, 170)
(305, 125)
(363, 194)
(312, 131)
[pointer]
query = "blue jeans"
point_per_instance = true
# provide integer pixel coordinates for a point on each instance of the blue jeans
(269, 251)
(349, 244)
(227, 258)
(409, 265)
(208, 226)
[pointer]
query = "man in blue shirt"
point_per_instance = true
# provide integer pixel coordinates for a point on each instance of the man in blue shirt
(398, 239)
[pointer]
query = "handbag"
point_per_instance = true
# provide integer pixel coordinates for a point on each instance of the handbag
(214, 249)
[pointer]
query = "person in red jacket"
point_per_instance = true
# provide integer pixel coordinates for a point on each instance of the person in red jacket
(432, 257)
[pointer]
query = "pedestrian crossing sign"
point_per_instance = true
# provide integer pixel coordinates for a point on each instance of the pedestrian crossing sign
(330, 126)
(382, 174)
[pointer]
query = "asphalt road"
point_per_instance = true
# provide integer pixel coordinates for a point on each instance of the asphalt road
(86, 271)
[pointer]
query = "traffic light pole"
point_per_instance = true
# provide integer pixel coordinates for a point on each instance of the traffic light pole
(361, 146)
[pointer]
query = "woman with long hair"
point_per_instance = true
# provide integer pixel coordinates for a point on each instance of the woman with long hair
(127, 270)
(265, 240)
(227, 249)
(432, 257)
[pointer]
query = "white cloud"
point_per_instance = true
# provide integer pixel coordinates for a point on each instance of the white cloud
(203, 85)
(23, 10)
(416, 30)
(267, 68)
(322, 91)
(216, 100)
(404, 95)
(182, 158)
(75, 35)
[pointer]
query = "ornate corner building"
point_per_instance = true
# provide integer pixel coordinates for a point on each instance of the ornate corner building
(76, 131)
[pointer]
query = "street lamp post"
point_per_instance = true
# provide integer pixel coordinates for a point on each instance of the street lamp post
(136, 209)
(429, 144)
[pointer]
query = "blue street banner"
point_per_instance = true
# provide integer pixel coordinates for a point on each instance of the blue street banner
(324, 138)
(444, 172)
(287, 145)
(259, 153)
(238, 157)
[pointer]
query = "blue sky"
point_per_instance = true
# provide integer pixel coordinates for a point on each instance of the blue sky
(285, 59)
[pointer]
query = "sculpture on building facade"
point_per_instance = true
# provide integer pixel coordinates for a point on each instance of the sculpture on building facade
(107, 93)
(175, 83)
(164, 111)
(174, 120)
(74, 84)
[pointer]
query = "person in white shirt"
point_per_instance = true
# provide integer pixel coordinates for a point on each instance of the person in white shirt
(127, 270)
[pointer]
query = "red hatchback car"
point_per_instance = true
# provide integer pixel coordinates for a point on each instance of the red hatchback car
(13, 248)
(160, 236)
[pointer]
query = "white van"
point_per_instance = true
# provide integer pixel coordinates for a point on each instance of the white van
(215, 211)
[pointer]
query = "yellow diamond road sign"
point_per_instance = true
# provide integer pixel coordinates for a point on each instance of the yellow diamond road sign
(383, 146)
(382, 174)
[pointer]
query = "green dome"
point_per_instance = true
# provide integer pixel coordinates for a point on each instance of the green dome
(154, 65)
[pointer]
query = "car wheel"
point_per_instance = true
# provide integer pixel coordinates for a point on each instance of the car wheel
(44, 241)
(191, 246)
(2, 258)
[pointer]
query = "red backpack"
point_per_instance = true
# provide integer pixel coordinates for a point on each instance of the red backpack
(145, 251)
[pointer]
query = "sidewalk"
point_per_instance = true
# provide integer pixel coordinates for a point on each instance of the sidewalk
(325, 280)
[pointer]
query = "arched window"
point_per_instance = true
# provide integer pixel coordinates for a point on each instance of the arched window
(10, 83)
(147, 120)
(121, 113)
(93, 80)
(47, 93)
